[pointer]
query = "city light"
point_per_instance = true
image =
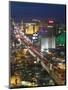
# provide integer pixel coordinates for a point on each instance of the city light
(51, 21)
(34, 38)
(49, 26)
(37, 47)
(35, 34)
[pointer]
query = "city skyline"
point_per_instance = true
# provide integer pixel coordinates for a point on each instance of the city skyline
(28, 11)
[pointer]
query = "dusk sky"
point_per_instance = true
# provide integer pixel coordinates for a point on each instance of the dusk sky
(27, 11)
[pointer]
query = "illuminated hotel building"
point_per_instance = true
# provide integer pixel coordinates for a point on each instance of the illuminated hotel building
(31, 28)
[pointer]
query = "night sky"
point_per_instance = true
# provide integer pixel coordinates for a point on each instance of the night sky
(27, 11)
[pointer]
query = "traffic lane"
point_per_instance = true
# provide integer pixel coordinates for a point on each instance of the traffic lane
(34, 50)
